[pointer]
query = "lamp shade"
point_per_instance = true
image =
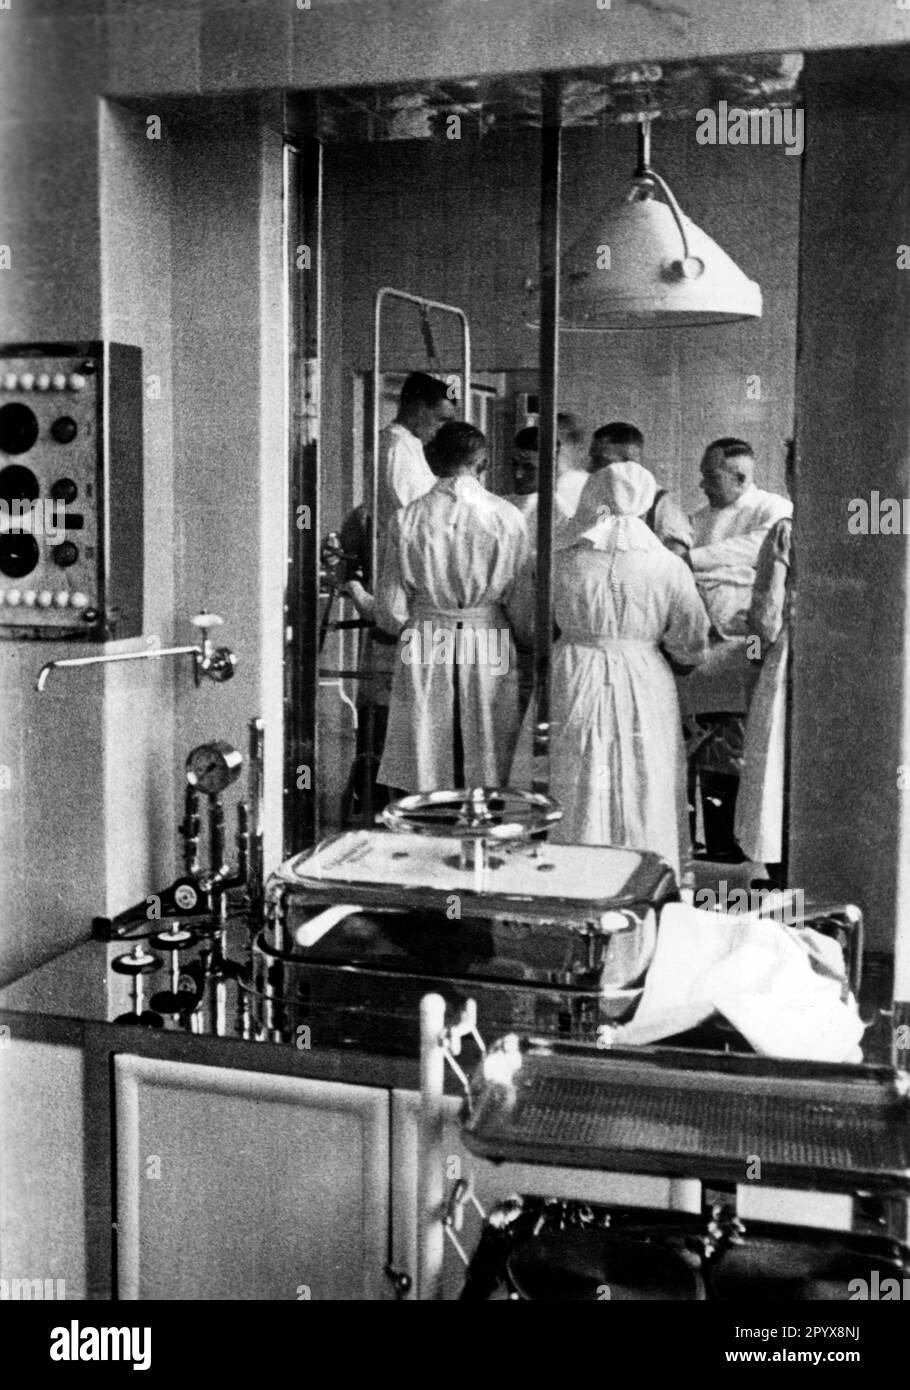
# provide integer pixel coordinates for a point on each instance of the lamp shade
(632, 270)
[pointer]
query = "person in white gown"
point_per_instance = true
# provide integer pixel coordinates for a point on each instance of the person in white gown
(571, 464)
(727, 535)
(759, 821)
(456, 578)
(526, 474)
(625, 607)
(403, 474)
(728, 532)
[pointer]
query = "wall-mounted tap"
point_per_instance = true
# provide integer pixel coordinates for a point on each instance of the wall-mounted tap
(216, 663)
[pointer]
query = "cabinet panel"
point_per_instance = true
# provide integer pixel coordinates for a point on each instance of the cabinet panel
(241, 1185)
(42, 1165)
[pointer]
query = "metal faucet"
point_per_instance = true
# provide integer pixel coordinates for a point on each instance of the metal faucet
(217, 663)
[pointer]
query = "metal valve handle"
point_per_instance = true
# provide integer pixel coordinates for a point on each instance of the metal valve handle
(218, 663)
(477, 813)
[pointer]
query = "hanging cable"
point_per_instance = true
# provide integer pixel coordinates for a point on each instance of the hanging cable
(426, 329)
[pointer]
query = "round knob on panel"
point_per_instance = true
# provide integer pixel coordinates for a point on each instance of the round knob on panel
(10, 381)
(79, 600)
(27, 381)
(43, 381)
(62, 598)
(45, 599)
(64, 430)
(58, 381)
(64, 489)
(76, 381)
(13, 597)
(30, 598)
(66, 553)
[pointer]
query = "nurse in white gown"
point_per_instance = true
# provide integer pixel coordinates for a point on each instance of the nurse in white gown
(621, 600)
(456, 578)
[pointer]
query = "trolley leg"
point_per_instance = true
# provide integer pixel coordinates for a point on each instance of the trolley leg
(431, 1149)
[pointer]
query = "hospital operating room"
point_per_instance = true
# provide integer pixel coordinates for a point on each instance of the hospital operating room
(454, 696)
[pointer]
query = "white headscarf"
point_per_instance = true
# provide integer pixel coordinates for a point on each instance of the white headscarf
(613, 501)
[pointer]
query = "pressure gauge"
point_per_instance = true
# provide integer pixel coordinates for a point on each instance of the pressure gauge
(213, 766)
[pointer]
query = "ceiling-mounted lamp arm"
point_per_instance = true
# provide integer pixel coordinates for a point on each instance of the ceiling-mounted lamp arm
(688, 267)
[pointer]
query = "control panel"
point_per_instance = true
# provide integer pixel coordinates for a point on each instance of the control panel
(71, 533)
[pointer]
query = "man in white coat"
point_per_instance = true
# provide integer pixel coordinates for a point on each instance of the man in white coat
(456, 578)
(625, 607)
(403, 474)
(727, 536)
(526, 473)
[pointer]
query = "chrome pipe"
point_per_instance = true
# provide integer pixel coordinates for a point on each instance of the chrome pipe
(152, 655)
(256, 870)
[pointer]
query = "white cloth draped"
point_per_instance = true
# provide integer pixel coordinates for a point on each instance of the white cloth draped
(457, 558)
(759, 819)
(778, 985)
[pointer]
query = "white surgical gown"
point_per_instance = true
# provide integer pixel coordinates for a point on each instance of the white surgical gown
(617, 763)
(760, 800)
(456, 576)
(403, 475)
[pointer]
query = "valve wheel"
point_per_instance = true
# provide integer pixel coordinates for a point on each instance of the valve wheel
(476, 813)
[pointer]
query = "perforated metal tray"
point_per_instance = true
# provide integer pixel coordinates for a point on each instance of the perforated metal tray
(685, 1114)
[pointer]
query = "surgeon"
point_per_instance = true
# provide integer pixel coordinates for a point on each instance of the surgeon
(727, 536)
(403, 474)
(456, 589)
(526, 474)
(625, 607)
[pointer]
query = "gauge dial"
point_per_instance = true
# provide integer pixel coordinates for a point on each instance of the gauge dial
(213, 766)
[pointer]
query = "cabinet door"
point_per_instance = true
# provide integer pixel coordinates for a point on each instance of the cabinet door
(43, 1168)
(241, 1185)
(494, 1182)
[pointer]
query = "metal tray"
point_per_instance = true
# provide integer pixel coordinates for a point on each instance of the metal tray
(685, 1114)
